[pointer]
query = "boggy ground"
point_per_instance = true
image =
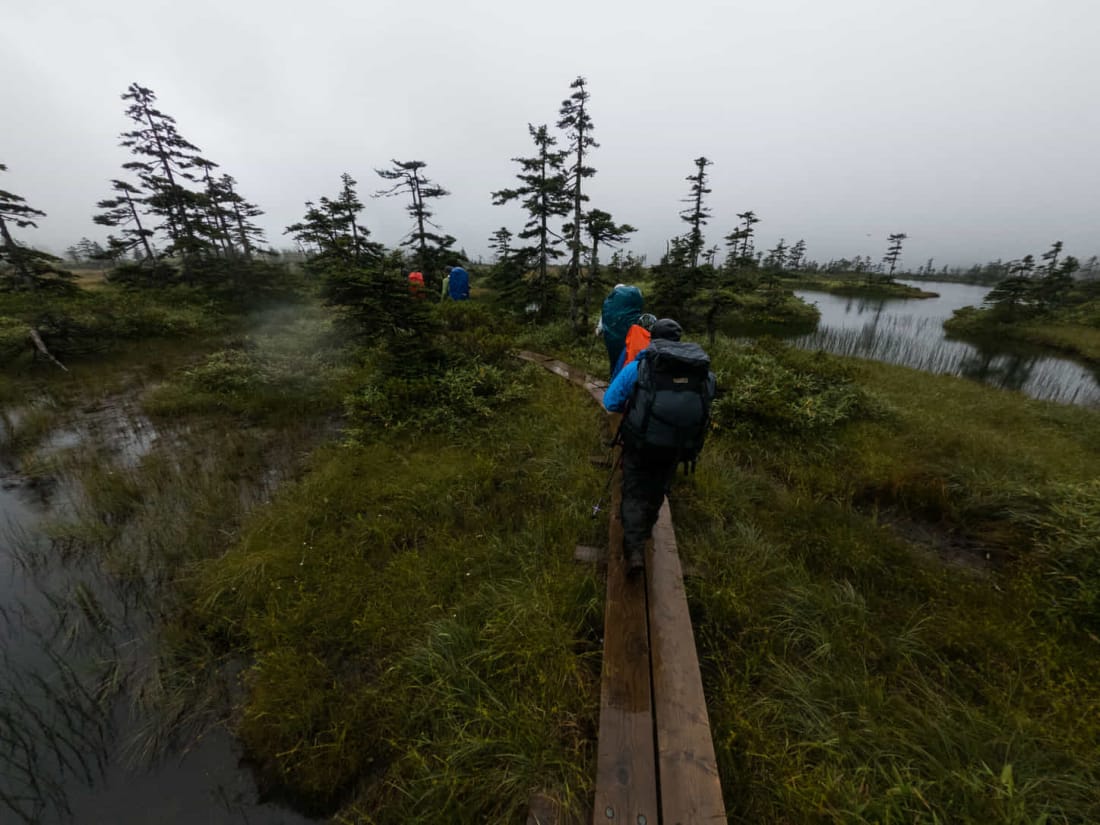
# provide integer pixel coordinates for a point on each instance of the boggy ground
(420, 647)
(426, 651)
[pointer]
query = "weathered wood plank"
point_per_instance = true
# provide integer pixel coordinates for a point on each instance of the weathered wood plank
(690, 788)
(626, 778)
(593, 385)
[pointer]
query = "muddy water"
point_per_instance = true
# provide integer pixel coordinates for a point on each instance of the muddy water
(79, 742)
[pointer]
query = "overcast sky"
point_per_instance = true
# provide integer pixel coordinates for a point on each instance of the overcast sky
(971, 125)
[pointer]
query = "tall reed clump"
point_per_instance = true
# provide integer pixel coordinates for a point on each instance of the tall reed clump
(424, 648)
(896, 601)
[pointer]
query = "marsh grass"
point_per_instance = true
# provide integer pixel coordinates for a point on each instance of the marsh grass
(288, 364)
(406, 639)
(425, 648)
(853, 678)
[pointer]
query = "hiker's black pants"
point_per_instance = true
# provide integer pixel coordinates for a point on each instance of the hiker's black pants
(647, 475)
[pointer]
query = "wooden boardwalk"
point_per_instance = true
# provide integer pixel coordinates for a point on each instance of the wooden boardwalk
(655, 763)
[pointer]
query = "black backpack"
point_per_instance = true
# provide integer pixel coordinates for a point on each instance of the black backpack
(670, 406)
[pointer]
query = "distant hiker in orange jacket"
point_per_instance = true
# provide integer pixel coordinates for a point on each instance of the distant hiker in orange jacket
(416, 285)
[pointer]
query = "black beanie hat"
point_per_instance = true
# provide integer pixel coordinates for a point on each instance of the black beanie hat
(666, 329)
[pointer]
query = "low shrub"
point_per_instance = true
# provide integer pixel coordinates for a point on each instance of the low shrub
(774, 387)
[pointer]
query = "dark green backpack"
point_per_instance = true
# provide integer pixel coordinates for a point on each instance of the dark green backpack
(670, 406)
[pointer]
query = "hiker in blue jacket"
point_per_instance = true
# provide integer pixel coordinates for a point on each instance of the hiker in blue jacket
(459, 284)
(658, 431)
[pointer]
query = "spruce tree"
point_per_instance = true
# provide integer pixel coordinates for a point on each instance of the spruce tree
(430, 246)
(167, 158)
(777, 257)
(331, 233)
(544, 195)
(893, 252)
(507, 272)
(30, 268)
(697, 214)
(746, 232)
(1051, 258)
(215, 213)
(795, 255)
(121, 211)
(345, 214)
(249, 236)
(574, 118)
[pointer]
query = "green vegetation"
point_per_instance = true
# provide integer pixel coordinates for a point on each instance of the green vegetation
(87, 321)
(908, 638)
(425, 649)
(1049, 309)
(898, 610)
(856, 285)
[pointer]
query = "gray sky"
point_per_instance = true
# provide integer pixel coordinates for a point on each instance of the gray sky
(971, 125)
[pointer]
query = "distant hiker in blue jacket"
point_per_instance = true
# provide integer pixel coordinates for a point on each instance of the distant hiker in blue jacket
(458, 287)
(664, 395)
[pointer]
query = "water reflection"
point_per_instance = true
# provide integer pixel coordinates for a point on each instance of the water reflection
(910, 333)
(86, 734)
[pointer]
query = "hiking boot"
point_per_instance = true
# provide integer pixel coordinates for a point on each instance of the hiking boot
(635, 561)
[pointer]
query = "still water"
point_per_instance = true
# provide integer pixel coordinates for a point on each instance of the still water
(79, 742)
(910, 333)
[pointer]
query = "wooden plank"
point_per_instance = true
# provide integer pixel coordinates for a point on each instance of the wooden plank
(626, 778)
(691, 791)
(594, 386)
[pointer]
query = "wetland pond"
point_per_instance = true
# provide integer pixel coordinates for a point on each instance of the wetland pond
(91, 729)
(910, 332)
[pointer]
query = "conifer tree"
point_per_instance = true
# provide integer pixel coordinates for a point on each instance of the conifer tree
(893, 252)
(501, 243)
(249, 236)
(168, 157)
(796, 254)
(574, 118)
(85, 251)
(215, 214)
(746, 232)
(544, 195)
(697, 214)
(30, 268)
(507, 273)
(430, 246)
(122, 211)
(1051, 258)
(331, 232)
(777, 257)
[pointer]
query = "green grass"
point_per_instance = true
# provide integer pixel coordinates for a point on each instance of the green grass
(897, 607)
(855, 670)
(285, 364)
(424, 644)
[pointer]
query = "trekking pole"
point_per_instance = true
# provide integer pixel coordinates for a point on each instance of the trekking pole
(606, 489)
